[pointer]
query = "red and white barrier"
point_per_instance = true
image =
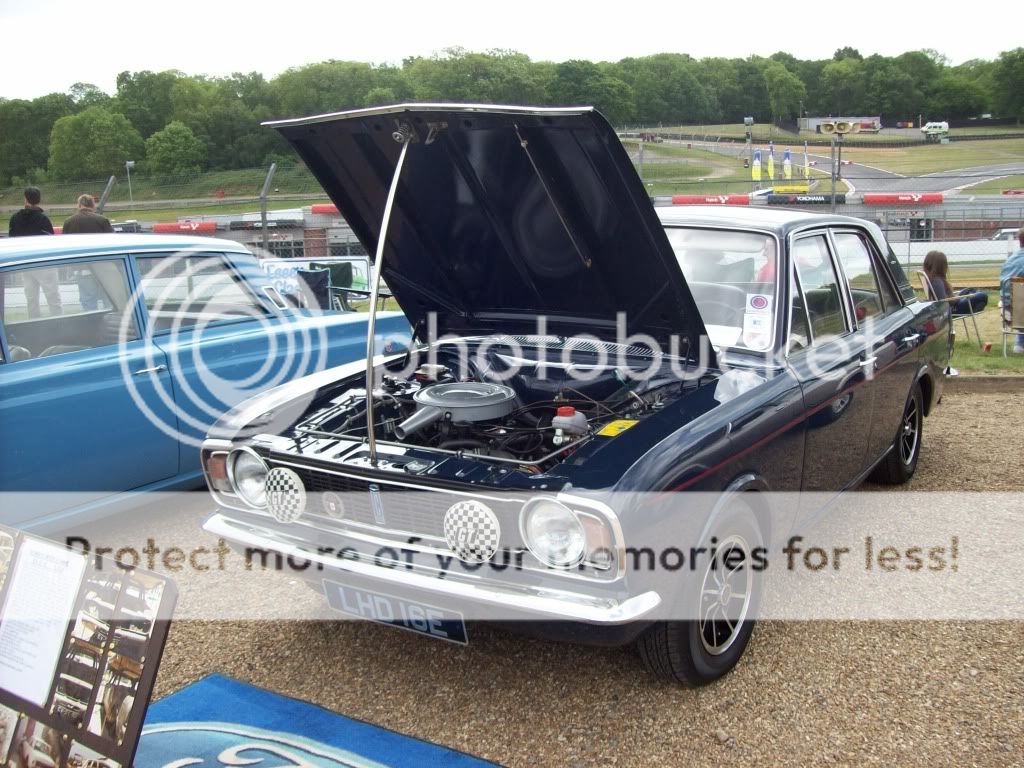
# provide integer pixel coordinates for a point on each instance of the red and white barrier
(710, 199)
(187, 227)
(903, 198)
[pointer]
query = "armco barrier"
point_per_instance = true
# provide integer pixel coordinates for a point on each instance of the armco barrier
(710, 199)
(903, 198)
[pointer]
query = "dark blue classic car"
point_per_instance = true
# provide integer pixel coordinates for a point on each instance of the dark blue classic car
(589, 365)
(117, 353)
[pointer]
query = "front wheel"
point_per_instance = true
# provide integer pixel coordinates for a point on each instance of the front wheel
(716, 613)
(900, 463)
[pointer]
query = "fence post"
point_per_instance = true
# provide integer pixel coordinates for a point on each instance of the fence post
(106, 193)
(265, 236)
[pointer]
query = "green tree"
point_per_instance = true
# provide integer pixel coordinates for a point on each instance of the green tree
(25, 132)
(175, 151)
(1008, 84)
(145, 99)
(92, 144)
(578, 83)
(843, 86)
(87, 95)
(953, 95)
(785, 90)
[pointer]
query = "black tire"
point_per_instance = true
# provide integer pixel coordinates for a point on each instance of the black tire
(676, 650)
(900, 463)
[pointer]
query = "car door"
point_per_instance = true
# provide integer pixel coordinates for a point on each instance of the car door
(80, 393)
(883, 320)
(832, 362)
(223, 342)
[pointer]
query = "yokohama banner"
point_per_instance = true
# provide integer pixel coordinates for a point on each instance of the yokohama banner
(804, 199)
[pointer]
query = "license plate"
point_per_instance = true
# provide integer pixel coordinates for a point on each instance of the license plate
(414, 616)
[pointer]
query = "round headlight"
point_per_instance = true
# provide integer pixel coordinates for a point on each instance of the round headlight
(554, 534)
(248, 477)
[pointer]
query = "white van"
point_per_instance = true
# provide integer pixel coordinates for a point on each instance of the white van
(933, 129)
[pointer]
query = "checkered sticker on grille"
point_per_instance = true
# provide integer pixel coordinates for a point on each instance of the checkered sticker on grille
(286, 495)
(472, 531)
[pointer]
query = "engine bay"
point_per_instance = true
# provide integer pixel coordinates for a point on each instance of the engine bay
(529, 407)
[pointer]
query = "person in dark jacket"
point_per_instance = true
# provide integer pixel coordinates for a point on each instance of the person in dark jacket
(30, 220)
(87, 221)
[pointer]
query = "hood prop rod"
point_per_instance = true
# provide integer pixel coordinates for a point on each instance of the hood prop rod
(404, 136)
(551, 198)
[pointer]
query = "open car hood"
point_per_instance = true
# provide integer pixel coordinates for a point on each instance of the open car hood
(503, 214)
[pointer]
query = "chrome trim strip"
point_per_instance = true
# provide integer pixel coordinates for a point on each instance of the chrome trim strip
(544, 602)
(432, 107)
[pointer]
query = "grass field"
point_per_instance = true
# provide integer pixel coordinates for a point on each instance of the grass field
(934, 158)
(703, 172)
(996, 186)
(968, 357)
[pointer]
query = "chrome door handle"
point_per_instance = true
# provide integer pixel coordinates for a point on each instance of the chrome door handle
(868, 362)
(154, 369)
(910, 339)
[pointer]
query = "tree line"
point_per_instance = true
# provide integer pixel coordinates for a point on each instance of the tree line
(172, 123)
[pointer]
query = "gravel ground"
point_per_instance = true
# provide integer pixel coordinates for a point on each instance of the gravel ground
(847, 693)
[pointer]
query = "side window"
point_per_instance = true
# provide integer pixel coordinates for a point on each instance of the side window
(799, 331)
(872, 296)
(182, 290)
(58, 309)
(823, 299)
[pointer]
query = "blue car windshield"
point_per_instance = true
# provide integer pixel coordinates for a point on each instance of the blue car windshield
(733, 278)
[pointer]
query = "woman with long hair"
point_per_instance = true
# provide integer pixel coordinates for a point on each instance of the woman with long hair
(936, 267)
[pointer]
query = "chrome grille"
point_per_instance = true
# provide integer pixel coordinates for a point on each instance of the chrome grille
(420, 512)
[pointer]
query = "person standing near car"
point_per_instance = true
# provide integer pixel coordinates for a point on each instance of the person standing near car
(32, 220)
(1014, 267)
(86, 221)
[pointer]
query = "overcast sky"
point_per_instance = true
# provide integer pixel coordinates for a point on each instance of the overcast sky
(50, 44)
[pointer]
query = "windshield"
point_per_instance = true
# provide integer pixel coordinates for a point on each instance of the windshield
(732, 278)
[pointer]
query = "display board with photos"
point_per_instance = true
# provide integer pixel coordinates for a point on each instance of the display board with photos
(80, 641)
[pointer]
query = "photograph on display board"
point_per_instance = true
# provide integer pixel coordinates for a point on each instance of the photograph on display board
(8, 724)
(80, 756)
(97, 609)
(6, 551)
(78, 677)
(112, 711)
(137, 610)
(35, 746)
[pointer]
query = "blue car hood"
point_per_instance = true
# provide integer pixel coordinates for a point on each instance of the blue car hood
(503, 214)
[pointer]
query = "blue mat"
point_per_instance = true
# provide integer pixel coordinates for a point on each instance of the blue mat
(221, 722)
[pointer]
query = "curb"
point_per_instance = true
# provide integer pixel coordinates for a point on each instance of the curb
(984, 384)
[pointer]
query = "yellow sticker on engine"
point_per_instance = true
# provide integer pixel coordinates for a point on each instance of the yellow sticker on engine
(617, 427)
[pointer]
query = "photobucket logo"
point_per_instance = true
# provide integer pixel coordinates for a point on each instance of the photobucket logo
(208, 344)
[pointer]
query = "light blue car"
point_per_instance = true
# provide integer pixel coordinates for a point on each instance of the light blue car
(117, 352)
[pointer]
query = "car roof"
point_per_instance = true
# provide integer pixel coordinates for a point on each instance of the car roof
(17, 249)
(778, 220)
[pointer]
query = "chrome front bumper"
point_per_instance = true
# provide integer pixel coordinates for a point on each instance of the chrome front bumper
(519, 602)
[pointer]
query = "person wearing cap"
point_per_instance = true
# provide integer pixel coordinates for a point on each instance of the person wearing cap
(86, 221)
(1014, 267)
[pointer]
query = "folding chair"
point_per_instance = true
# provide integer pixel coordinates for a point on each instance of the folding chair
(1013, 317)
(929, 292)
